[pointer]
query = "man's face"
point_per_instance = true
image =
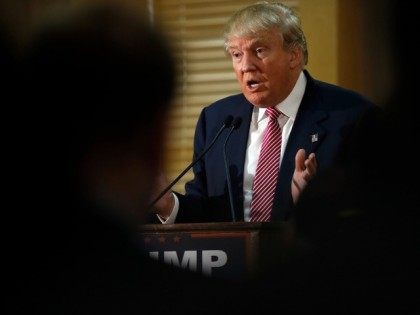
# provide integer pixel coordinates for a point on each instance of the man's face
(265, 71)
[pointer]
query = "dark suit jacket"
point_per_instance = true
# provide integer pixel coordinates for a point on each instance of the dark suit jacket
(328, 111)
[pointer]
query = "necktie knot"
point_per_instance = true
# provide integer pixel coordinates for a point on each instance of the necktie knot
(273, 113)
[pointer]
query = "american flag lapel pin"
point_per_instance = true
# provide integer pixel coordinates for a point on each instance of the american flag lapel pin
(314, 138)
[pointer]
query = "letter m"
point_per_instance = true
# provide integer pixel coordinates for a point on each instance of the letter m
(189, 259)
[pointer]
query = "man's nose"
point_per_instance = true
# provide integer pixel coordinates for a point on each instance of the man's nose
(248, 63)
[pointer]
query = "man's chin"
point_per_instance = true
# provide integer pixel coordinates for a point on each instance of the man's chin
(257, 101)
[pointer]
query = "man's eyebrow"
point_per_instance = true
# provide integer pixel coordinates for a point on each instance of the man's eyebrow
(259, 41)
(252, 43)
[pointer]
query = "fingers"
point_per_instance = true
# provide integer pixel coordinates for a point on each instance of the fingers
(305, 166)
(305, 170)
(311, 164)
(300, 160)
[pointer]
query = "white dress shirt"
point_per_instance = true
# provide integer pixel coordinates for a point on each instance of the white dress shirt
(259, 121)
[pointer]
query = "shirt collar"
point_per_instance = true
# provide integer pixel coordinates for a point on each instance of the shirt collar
(290, 105)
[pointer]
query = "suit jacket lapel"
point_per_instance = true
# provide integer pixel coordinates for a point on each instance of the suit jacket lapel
(307, 133)
(313, 132)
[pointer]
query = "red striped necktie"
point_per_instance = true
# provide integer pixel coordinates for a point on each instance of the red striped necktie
(265, 180)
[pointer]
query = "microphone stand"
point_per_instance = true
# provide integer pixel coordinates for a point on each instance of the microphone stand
(236, 122)
(226, 124)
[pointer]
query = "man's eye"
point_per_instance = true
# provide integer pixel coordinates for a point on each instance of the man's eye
(259, 50)
(236, 55)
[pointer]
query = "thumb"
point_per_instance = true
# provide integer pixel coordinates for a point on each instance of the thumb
(300, 160)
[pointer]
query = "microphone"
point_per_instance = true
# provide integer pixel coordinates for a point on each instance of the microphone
(235, 125)
(226, 124)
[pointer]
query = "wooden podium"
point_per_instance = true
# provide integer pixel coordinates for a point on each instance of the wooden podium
(227, 250)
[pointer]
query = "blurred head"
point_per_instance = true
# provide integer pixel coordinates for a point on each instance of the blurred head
(103, 78)
(268, 51)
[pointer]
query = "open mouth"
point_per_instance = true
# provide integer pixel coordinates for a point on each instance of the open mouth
(253, 84)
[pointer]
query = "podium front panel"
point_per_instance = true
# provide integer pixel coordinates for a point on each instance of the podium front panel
(225, 250)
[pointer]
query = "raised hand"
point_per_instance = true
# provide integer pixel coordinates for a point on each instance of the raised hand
(305, 170)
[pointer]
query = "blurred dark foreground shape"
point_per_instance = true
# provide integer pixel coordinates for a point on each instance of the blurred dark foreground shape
(94, 86)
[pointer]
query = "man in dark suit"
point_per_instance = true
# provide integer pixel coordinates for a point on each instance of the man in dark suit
(356, 246)
(268, 51)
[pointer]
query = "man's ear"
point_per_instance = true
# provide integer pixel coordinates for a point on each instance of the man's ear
(295, 57)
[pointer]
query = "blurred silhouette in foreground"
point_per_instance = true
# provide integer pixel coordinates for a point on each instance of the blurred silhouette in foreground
(97, 83)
